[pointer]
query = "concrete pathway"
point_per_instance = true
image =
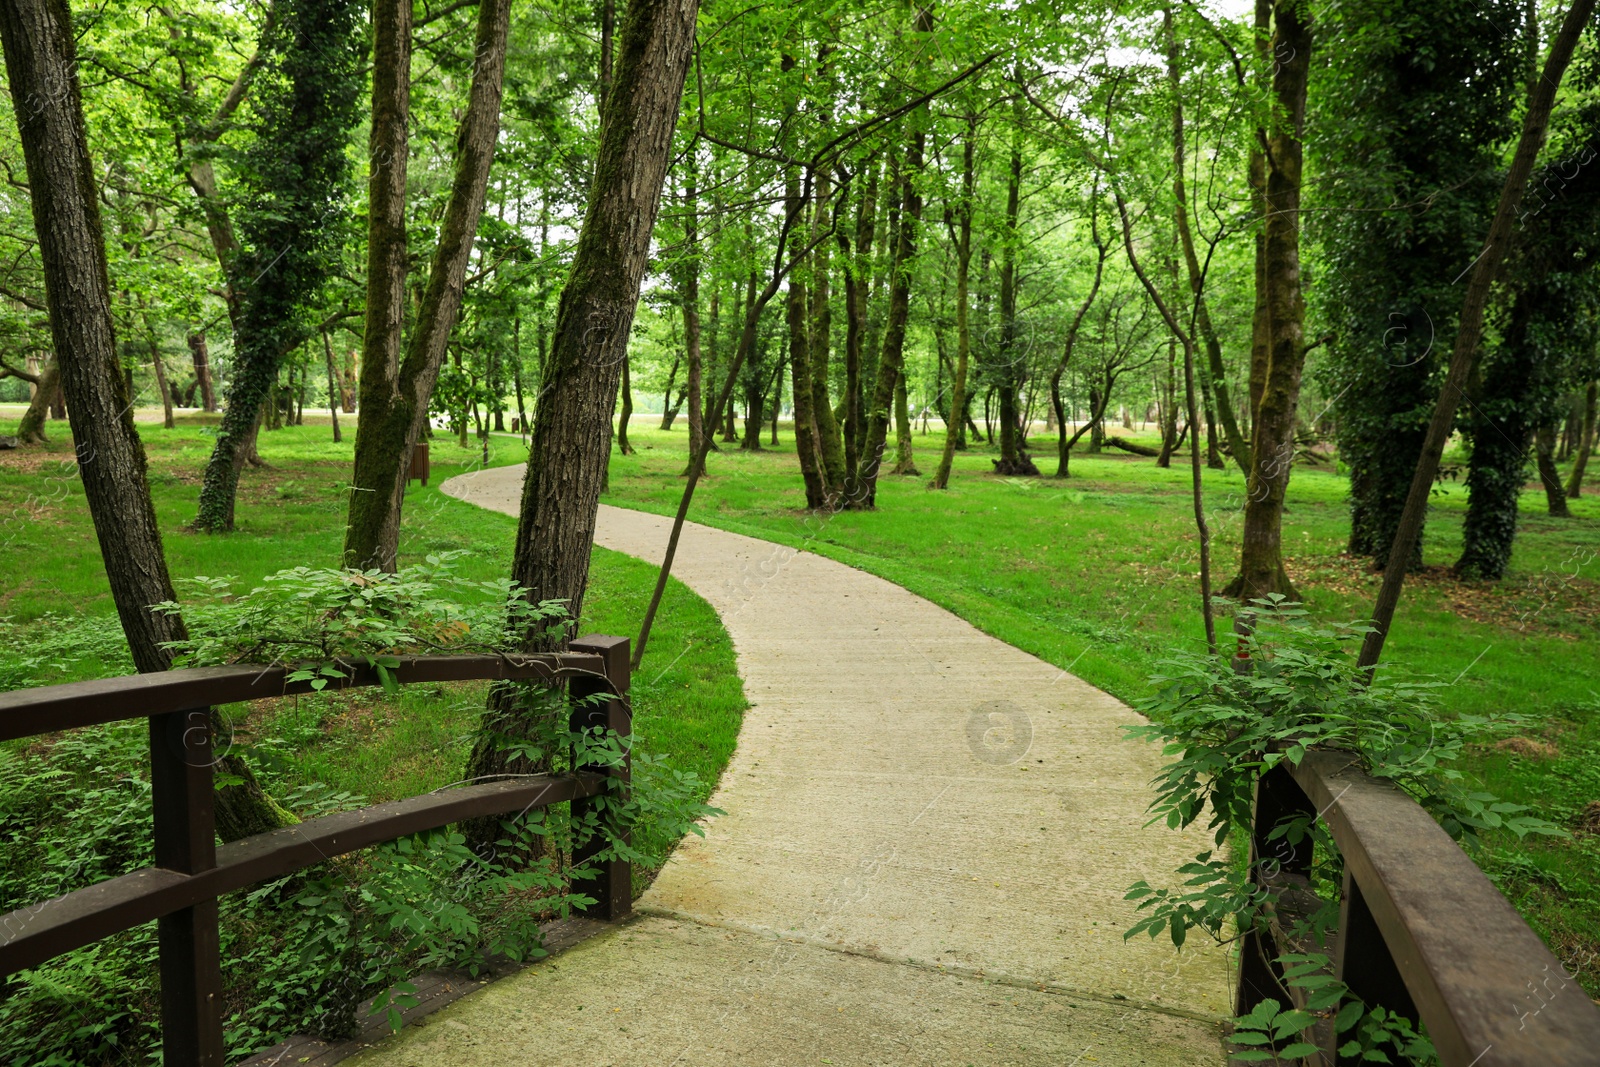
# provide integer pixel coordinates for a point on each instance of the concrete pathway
(927, 841)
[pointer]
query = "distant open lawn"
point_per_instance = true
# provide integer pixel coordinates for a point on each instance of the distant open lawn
(1098, 574)
(57, 622)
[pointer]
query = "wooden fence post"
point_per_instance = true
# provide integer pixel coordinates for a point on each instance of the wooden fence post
(185, 841)
(1278, 796)
(612, 887)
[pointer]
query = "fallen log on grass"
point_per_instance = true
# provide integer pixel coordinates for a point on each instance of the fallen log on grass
(1129, 446)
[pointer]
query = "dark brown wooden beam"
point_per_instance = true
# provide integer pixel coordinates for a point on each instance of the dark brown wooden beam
(1489, 991)
(28, 712)
(29, 936)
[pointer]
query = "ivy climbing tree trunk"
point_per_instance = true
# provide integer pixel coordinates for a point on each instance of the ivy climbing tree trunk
(305, 109)
(41, 69)
(1469, 335)
(1261, 570)
(395, 391)
(570, 442)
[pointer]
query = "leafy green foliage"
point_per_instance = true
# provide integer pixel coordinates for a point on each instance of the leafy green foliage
(325, 621)
(1226, 728)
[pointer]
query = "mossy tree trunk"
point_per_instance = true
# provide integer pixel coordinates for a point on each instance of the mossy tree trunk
(395, 390)
(1261, 570)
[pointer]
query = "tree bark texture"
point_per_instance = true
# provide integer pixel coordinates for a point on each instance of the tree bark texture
(805, 418)
(963, 250)
(200, 355)
(395, 392)
(41, 66)
(568, 447)
(1261, 570)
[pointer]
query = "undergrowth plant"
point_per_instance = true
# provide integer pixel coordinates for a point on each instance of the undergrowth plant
(1224, 728)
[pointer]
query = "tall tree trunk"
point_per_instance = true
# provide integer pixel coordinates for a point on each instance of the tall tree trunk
(1012, 358)
(962, 234)
(1260, 317)
(777, 405)
(904, 463)
(1261, 570)
(30, 431)
(623, 447)
(1213, 456)
(1169, 429)
(41, 69)
(394, 393)
(891, 362)
(795, 308)
(691, 322)
(569, 447)
(1585, 443)
(856, 292)
(333, 387)
(200, 353)
(1555, 494)
(830, 442)
(1102, 252)
(669, 410)
(161, 380)
(1213, 374)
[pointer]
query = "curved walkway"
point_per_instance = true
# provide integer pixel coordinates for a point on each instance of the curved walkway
(927, 841)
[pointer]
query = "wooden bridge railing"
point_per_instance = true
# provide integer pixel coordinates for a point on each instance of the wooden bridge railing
(180, 891)
(1422, 931)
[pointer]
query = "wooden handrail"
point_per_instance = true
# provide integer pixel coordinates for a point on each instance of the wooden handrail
(180, 892)
(29, 712)
(1422, 930)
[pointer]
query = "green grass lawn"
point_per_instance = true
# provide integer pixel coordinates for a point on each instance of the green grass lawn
(1098, 574)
